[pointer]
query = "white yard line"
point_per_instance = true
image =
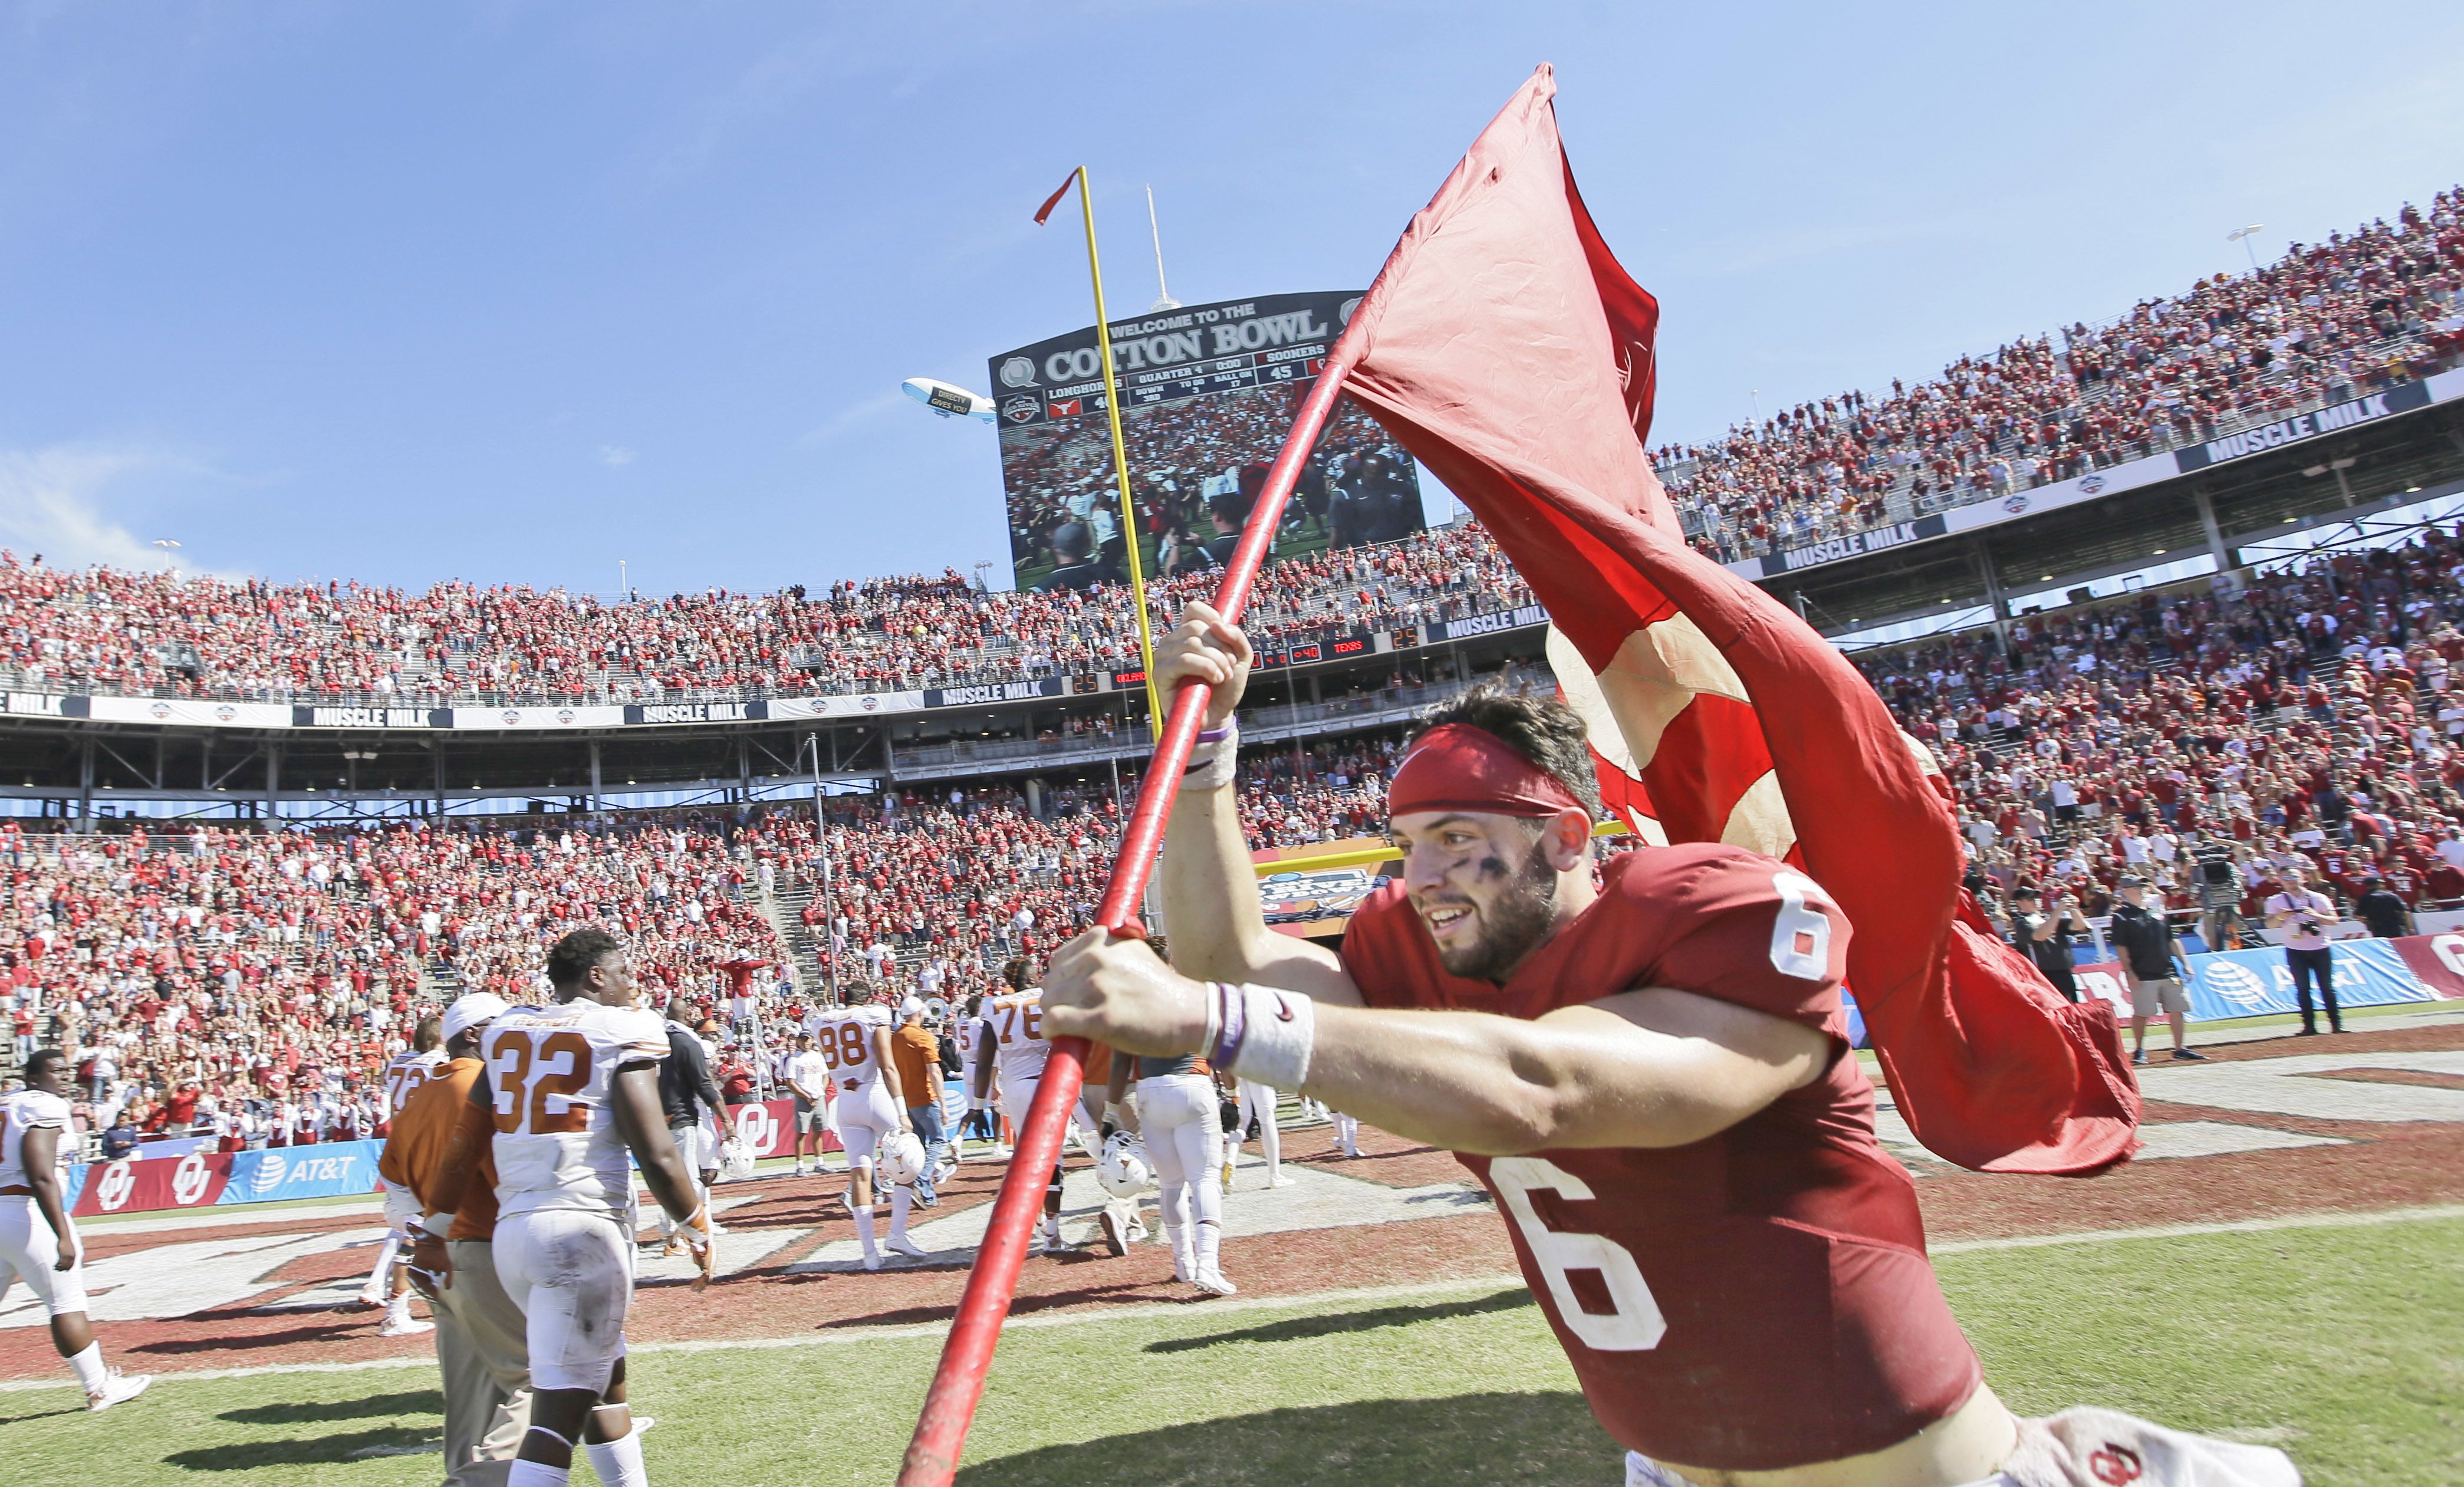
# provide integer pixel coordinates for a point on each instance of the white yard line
(1316, 1300)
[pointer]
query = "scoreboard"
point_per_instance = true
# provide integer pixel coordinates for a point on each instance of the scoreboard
(1205, 390)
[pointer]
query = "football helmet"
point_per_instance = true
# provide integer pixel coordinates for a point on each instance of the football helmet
(1123, 1171)
(901, 1158)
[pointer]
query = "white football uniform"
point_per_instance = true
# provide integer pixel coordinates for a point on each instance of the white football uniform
(1015, 1021)
(404, 1076)
(863, 1111)
(970, 1035)
(565, 1190)
(28, 1246)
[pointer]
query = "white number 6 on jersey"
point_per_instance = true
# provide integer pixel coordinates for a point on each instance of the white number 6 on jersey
(1636, 1325)
(1801, 934)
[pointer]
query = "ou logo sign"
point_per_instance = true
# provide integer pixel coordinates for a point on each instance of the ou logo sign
(191, 1179)
(2450, 950)
(757, 1129)
(119, 1181)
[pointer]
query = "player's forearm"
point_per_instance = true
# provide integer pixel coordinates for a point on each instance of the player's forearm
(654, 1151)
(1472, 1082)
(1210, 896)
(48, 1201)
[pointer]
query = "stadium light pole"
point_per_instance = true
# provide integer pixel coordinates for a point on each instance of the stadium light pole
(2243, 236)
(822, 841)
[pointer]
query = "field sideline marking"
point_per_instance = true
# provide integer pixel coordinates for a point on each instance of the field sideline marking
(2328, 1220)
(1313, 1298)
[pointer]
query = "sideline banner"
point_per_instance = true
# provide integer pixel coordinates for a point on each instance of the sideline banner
(2438, 959)
(2255, 983)
(330, 1170)
(208, 1179)
(769, 1127)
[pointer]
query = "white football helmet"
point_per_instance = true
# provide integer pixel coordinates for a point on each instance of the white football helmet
(901, 1159)
(1123, 1171)
(736, 1161)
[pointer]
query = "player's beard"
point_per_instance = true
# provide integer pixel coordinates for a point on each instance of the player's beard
(1512, 925)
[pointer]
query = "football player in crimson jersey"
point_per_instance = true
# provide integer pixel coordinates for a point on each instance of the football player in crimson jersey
(1650, 1073)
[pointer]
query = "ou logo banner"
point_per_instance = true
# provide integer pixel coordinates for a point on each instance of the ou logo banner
(119, 1181)
(191, 1179)
(2450, 950)
(758, 1127)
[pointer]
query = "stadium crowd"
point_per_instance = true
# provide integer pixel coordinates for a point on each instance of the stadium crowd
(2218, 744)
(2354, 313)
(165, 634)
(2325, 322)
(251, 988)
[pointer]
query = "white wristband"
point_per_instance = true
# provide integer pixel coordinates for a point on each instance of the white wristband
(1280, 1029)
(1213, 765)
(436, 1224)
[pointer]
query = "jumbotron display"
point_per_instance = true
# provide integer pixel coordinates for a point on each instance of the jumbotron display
(1206, 391)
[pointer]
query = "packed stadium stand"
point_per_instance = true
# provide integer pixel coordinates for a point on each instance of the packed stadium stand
(2355, 312)
(246, 971)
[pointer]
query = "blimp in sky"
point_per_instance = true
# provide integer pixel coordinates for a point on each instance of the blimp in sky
(947, 399)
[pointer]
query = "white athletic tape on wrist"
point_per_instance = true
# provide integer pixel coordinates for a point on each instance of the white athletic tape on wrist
(1212, 996)
(1213, 764)
(1279, 1030)
(436, 1225)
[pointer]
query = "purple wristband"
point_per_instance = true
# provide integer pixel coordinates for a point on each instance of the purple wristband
(1214, 735)
(1234, 1022)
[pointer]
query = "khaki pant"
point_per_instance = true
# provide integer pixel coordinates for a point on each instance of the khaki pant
(481, 1350)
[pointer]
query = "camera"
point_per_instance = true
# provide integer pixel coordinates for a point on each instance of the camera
(2310, 927)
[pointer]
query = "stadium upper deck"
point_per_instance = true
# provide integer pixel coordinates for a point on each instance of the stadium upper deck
(2377, 309)
(2323, 323)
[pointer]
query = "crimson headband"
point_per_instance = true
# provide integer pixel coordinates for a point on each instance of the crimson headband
(1457, 766)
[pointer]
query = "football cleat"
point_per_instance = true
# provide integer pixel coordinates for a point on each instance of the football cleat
(872, 1262)
(1116, 1233)
(1215, 1282)
(405, 1326)
(117, 1388)
(900, 1245)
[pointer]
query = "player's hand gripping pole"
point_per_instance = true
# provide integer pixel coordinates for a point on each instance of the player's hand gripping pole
(958, 1383)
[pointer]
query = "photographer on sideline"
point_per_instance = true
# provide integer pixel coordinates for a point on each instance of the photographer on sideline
(2304, 913)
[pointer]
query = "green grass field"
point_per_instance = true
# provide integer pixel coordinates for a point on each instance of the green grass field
(2343, 1345)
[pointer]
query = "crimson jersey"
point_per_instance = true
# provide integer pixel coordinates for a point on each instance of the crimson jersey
(1757, 1299)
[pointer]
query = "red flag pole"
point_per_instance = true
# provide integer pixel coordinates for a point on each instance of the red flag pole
(958, 1381)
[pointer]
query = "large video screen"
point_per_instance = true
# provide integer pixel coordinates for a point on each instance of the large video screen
(1207, 394)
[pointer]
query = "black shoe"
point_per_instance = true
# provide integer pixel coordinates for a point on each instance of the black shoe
(2338, 1027)
(2307, 1031)
(2189, 1056)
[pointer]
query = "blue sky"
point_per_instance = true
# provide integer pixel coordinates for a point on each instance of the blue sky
(509, 292)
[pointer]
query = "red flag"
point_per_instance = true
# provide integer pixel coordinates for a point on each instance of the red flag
(1054, 200)
(1507, 349)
